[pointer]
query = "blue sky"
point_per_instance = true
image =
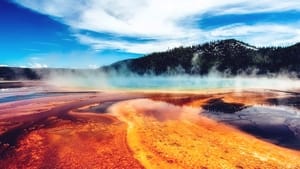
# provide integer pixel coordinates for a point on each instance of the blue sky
(91, 33)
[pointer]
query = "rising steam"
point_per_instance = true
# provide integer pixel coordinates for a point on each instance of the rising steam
(100, 80)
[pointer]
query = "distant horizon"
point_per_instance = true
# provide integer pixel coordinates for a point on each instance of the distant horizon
(91, 68)
(90, 34)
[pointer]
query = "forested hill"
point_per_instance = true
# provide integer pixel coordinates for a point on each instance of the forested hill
(230, 56)
(227, 56)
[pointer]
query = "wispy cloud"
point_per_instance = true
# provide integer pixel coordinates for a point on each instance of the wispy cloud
(35, 58)
(260, 34)
(168, 23)
(131, 47)
(31, 49)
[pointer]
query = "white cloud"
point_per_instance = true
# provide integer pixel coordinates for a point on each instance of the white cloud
(170, 22)
(261, 34)
(3, 65)
(132, 47)
(37, 65)
(93, 66)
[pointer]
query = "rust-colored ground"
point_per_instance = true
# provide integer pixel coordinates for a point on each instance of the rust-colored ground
(132, 130)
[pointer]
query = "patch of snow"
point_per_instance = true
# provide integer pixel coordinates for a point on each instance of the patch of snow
(248, 46)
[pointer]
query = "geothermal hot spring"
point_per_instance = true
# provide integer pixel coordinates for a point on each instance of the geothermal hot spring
(133, 121)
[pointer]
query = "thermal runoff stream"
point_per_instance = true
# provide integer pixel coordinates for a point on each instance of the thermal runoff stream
(151, 122)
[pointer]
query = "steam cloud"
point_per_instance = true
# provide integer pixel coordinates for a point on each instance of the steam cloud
(124, 79)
